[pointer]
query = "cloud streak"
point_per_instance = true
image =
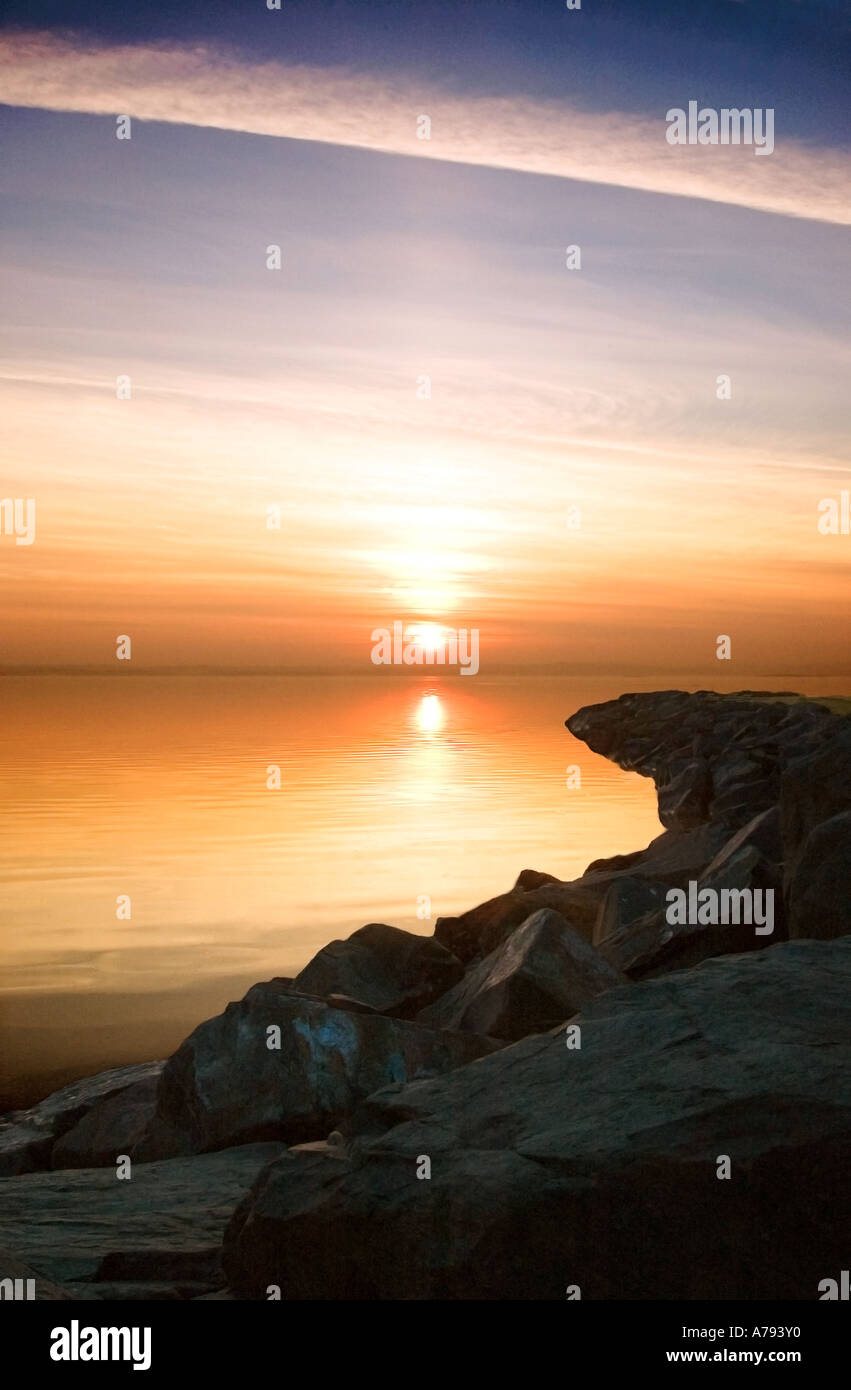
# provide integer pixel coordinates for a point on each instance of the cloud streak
(205, 87)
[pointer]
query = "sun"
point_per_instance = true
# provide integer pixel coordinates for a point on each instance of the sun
(429, 636)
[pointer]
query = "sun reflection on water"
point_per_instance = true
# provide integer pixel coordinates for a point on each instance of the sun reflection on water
(430, 714)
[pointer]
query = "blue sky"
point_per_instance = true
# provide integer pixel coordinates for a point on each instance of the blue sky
(793, 55)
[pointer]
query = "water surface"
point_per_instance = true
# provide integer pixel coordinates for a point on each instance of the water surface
(400, 799)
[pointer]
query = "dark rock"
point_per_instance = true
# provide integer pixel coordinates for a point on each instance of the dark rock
(66, 1223)
(813, 789)
(820, 892)
(352, 1006)
(540, 975)
(139, 1291)
(684, 801)
(763, 832)
(111, 1127)
(159, 1274)
(742, 800)
(394, 971)
(201, 1266)
(627, 900)
(27, 1137)
(746, 743)
(673, 858)
(16, 1269)
(476, 933)
(532, 878)
(615, 863)
(599, 1164)
(225, 1086)
(652, 944)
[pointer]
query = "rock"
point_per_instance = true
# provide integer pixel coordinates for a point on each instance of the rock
(395, 972)
(141, 1275)
(762, 832)
(66, 1224)
(627, 900)
(20, 1273)
(532, 878)
(111, 1127)
(225, 1086)
(596, 1166)
(652, 944)
(741, 800)
(673, 858)
(142, 1291)
(684, 800)
(544, 972)
(476, 933)
(743, 745)
(820, 892)
(27, 1137)
(349, 1005)
(814, 788)
(757, 776)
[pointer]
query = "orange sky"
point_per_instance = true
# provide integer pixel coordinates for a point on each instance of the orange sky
(302, 388)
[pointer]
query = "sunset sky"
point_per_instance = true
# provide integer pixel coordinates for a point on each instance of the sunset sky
(403, 258)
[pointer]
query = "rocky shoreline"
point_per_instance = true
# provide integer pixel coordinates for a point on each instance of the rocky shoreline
(562, 1092)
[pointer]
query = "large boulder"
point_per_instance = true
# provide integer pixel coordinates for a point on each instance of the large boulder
(394, 971)
(603, 1165)
(27, 1137)
(278, 1065)
(544, 972)
(820, 892)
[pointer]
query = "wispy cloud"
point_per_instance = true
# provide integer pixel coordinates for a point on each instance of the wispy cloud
(205, 87)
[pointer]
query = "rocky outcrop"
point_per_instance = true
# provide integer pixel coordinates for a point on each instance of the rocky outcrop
(279, 1065)
(27, 1137)
(742, 783)
(395, 972)
(544, 972)
(601, 1165)
(759, 779)
(612, 1075)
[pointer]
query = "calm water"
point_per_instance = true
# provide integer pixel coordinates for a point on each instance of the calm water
(398, 797)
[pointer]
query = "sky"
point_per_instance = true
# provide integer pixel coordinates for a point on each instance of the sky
(450, 424)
